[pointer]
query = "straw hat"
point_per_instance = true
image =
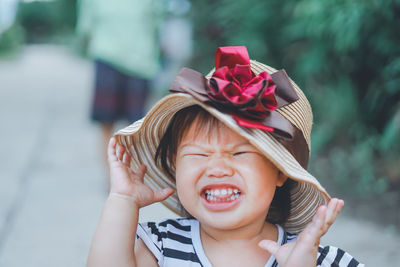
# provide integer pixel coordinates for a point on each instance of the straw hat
(282, 135)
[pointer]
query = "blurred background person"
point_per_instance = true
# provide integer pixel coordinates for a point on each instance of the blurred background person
(176, 44)
(122, 39)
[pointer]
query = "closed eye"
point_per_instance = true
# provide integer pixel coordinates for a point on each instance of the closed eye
(196, 155)
(241, 153)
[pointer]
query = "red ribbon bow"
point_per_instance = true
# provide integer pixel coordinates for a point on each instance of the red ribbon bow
(234, 88)
(250, 99)
(235, 85)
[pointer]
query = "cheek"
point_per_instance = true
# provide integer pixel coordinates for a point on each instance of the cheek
(260, 195)
(182, 189)
(186, 177)
(261, 191)
(189, 168)
(182, 180)
(261, 179)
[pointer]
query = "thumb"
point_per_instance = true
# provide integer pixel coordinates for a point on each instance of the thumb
(163, 194)
(270, 246)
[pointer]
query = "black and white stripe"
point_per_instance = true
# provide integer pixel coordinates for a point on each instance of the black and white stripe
(170, 242)
(177, 243)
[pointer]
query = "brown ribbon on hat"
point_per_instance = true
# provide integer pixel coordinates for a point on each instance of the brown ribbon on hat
(194, 83)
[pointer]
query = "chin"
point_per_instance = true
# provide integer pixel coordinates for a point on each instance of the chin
(225, 220)
(221, 223)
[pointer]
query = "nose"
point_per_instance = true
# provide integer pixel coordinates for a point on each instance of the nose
(219, 168)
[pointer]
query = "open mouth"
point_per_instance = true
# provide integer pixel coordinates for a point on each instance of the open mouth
(220, 197)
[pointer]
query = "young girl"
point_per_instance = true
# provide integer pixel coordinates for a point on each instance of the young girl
(229, 153)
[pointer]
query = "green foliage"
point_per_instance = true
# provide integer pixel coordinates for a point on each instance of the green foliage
(345, 55)
(44, 21)
(359, 178)
(10, 40)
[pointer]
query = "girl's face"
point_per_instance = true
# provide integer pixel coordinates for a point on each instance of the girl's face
(223, 180)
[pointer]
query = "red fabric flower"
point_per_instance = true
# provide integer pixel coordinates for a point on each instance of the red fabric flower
(234, 85)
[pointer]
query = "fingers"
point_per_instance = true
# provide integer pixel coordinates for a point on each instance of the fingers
(111, 153)
(126, 159)
(120, 152)
(316, 230)
(163, 194)
(333, 210)
(270, 246)
(141, 172)
(117, 152)
(323, 219)
(309, 239)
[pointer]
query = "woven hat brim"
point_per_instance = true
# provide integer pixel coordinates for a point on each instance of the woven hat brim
(142, 138)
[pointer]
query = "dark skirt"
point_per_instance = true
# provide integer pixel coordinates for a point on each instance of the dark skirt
(117, 96)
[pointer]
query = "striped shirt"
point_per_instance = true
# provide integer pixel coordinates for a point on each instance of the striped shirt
(177, 243)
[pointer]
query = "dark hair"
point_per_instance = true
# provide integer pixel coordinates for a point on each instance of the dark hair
(166, 152)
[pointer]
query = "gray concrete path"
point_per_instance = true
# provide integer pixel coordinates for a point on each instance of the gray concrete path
(51, 179)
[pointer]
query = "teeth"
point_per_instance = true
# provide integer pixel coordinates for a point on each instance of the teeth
(222, 192)
(211, 194)
(209, 197)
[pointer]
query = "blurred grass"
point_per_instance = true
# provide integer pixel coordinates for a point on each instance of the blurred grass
(10, 41)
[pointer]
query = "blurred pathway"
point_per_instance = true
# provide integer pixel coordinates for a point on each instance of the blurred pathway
(50, 189)
(51, 180)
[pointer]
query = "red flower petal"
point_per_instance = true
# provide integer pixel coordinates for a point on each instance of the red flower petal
(269, 90)
(230, 56)
(235, 84)
(223, 73)
(242, 73)
(233, 93)
(220, 83)
(265, 75)
(253, 89)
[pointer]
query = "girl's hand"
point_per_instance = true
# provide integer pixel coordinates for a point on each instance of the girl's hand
(124, 181)
(303, 251)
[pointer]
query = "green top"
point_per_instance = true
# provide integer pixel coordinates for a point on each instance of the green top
(123, 33)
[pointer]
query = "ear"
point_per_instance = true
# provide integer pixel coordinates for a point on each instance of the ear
(281, 179)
